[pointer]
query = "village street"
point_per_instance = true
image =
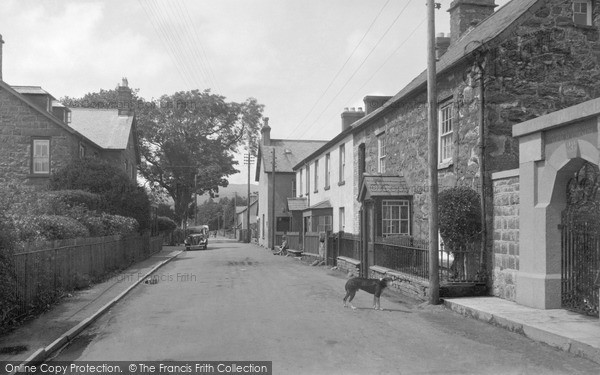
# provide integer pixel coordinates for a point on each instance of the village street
(238, 302)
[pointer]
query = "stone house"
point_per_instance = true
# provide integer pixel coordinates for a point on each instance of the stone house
(496, 69)
(39, 135)
(276, 183)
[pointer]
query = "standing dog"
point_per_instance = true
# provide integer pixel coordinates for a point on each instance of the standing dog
(372, 286)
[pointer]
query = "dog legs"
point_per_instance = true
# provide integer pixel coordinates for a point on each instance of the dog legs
(348, 299)
(376, 304)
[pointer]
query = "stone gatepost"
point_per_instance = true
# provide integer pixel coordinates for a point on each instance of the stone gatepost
(551, 149)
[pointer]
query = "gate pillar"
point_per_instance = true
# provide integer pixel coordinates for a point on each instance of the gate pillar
(551, 149)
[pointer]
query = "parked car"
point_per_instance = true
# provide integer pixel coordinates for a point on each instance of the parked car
(197, 241)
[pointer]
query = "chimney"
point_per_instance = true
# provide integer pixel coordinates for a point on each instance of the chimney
(1, 43)
(442, 42)
(124, 99)
(350, 116)
(373, 102)
(466, 14)
(266, 132)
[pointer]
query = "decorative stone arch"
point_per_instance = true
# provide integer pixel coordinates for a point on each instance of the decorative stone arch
(551, 149)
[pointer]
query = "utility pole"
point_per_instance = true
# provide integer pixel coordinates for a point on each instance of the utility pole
(434, 277)
(273, 202)
(195, 200)
(248, 159)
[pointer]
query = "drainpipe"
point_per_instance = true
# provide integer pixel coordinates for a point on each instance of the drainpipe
(482, 160)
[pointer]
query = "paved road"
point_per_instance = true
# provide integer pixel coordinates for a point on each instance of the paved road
(238, 302)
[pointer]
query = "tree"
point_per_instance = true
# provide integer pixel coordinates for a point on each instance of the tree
(189, 140)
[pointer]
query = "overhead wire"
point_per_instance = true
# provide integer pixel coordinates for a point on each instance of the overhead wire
(160, 33)
(342, 67)
(357, 69)
(386, 60)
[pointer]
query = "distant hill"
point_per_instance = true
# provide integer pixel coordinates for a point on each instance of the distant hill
(230, 191)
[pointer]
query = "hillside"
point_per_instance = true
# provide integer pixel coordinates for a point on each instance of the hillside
(230, 191)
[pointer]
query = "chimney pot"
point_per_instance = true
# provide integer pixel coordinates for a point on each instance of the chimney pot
(124, 99)
(266, 132)
(465, 14)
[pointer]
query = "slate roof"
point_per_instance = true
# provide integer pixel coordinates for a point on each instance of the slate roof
(382, 186)
(323, 204)
(288, 153)
(103, 126)
(297, 204)
(486, 31)
(37, 90)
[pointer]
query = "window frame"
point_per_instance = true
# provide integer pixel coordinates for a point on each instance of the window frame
(446, 133)
(577, 15)
(35, 158)
(342, 162)
(400, 203)
(381, 152)
(316, 172)
(327, 170)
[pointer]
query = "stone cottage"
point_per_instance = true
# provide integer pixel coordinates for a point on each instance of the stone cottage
(497, 68)
(39, 135)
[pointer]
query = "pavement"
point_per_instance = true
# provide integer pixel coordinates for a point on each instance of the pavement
(40, 337)
(44, 335)
(566, 330)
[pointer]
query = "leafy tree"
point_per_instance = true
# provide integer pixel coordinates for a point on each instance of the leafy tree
(122, 196)
(187, 140)
(188, 143)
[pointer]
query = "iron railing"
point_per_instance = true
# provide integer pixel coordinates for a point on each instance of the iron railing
(42, 269)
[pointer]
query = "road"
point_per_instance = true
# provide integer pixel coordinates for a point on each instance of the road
(236, 302)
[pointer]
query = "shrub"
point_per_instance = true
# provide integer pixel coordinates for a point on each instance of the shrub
(77, 198)
(165, 224)
(121, 195)
(118, 225)
(53, 227)
(459, 211)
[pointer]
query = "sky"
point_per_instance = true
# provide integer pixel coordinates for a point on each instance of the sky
(305, 60)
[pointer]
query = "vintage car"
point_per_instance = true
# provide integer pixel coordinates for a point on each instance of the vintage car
(198, 240)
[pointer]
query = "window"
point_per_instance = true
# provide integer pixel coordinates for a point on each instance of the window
(324, 223)
(445, 133)
(81, 151)
(342, 163)
(294, 187)
(307, 179)
(381, 152)
(395, 215)
(316, 175)
(342, 219)
(327, 170)
(41, 156)
(582, 12)
(283, 224)
(300, 182)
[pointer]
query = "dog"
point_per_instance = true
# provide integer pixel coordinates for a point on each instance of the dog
(372, 286)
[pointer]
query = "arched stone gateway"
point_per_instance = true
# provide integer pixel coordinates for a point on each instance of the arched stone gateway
(559, 244)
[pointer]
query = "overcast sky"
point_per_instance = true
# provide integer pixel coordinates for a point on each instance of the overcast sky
(305, 60)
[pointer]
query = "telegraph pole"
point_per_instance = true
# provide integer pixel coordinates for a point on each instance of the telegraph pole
(273, 202)
(434, 277)
(248, 159)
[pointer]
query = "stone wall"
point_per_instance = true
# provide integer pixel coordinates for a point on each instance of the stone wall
(505, 234)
